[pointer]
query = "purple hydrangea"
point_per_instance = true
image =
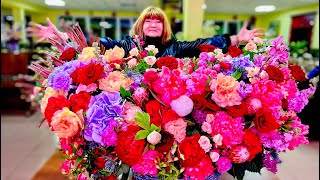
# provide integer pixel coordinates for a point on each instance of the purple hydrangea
(240, 63)
(101, 114)
(244, 89)
(137, 78)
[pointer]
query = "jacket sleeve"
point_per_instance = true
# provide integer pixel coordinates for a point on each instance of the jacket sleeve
(190, 48)
(107, 43)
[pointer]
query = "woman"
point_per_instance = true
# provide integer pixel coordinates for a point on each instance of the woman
(154, 27)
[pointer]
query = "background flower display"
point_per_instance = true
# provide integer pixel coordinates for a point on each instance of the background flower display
(144, 117)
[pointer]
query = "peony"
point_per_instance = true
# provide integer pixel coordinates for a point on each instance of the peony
(113, 55)
(66, 123)
(87, 54)
(114, 81)
(148, 164)
(225, 91)
(154, 137)
(182, 106)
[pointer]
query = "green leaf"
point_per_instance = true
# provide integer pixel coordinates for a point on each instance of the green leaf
(152, 146)
(237, 74)
(142, 134)
(256, 164)
(154, 128)
(143, 120)
(144, 85)
(237, 171)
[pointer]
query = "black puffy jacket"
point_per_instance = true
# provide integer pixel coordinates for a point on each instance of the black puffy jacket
(173, 47)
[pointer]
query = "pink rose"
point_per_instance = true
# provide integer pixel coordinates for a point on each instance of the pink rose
(140, 96)
(214, 156)
(90, 88)
(134, 52)
(154, 137)
(210, 118)
(129, 112)
(217, 139)
(66, 123)
(132, 63)
(150, 60)
(257, 40)
(182, 106)
(177, 128)
(251, 46)
(204, 143)
(206, 127)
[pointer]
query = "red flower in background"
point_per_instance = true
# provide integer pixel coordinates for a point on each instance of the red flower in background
(252, 142)
(237, 110)
(297, 73)
(275, 73)
(206, 48)
(264, 121)
(167, 61)
(225, 66)
(191, 150)
(80, 101)
(89, 74)
(55, 104)
(234, 51)
(68, 54)
(154, 108)
(166, 142)
(169, 115)
(129, 150)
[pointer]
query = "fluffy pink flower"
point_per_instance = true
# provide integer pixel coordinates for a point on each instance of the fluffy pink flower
(204, 143)
(300, 131)
(229, 128)
(182, 106)
(148, 164)
(154, 137)
(225, 91)
(177, 128)
(129, 112)
(223, 164)
(90, 88)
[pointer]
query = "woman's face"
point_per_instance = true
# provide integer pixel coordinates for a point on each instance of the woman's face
(152, 27)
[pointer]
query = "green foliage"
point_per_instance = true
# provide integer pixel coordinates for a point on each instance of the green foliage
(143, 120)
(237, 74)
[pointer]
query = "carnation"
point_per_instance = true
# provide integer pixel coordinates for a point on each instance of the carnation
(190, 151)
(200, 171)
(177, 128)
(223, 164)
(148, 164)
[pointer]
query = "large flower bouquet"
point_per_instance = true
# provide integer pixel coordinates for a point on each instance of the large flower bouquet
(146, 118)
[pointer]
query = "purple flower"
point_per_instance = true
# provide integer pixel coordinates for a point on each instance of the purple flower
(279, 51)
(102, 111)
(203, 56)
(199, 116)
(61, 80)
(259, 60)
(270, 162)
(244, 89)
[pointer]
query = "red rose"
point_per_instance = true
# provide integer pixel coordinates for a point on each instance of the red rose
(166, 142)
(211, 106)
(68, 54)
(149, 77)
(199, 101)
(206, 48)
(237, 110)
(225, 66)
(100, 162)
(153, 108)
(132, 155)
(167, 61)
(191, 150)
(234, 51)
(264, 121)
(80, 101)
(55, 104)
(169, 115)
(252, 142)
(90, 73)
(297, 73)
(74, 76)
(275, 73)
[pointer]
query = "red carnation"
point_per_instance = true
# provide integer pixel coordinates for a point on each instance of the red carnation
(191, 150)
(153, 108)
(297, 73)
(80, 101)
(206, 48)
(68, 54)
(237, 110)
(133, 154)
(90, 73)
(264, 121)
(252, 142)
(55, 104)
(74, 76)
(169, 115)
(234, 51)
(167, 61)
(275, 73)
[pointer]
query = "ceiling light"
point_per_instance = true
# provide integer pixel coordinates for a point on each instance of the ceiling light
(265, 8)
(55, 2)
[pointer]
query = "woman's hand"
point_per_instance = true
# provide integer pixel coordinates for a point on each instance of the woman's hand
(245, 35)
(45, 33)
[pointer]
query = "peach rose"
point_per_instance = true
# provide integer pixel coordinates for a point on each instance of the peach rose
(225, 91)
(206, 127)
(114, 81)
(217, 139)
(66, 123)
(252, 71)
(134, 52)
(251, 46)
(113, 54)
(257, 40)
(150, 60)
(87, 54)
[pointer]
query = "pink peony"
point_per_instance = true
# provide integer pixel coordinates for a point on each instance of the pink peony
(148, 164)
(204, 143)
(225, 91)
(177, 128)
(223, 164)
(182, 106)
(114, 81)
(154, 137)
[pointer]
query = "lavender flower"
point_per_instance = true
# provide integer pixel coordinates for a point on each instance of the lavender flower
(223, 164)
(270, 162)
(61, 80)
(244, 89)
(102, 111)
(137, 78)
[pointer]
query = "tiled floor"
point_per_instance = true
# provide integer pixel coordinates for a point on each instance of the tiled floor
(25, 148)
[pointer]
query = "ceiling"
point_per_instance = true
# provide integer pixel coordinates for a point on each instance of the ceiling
(213, 6)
